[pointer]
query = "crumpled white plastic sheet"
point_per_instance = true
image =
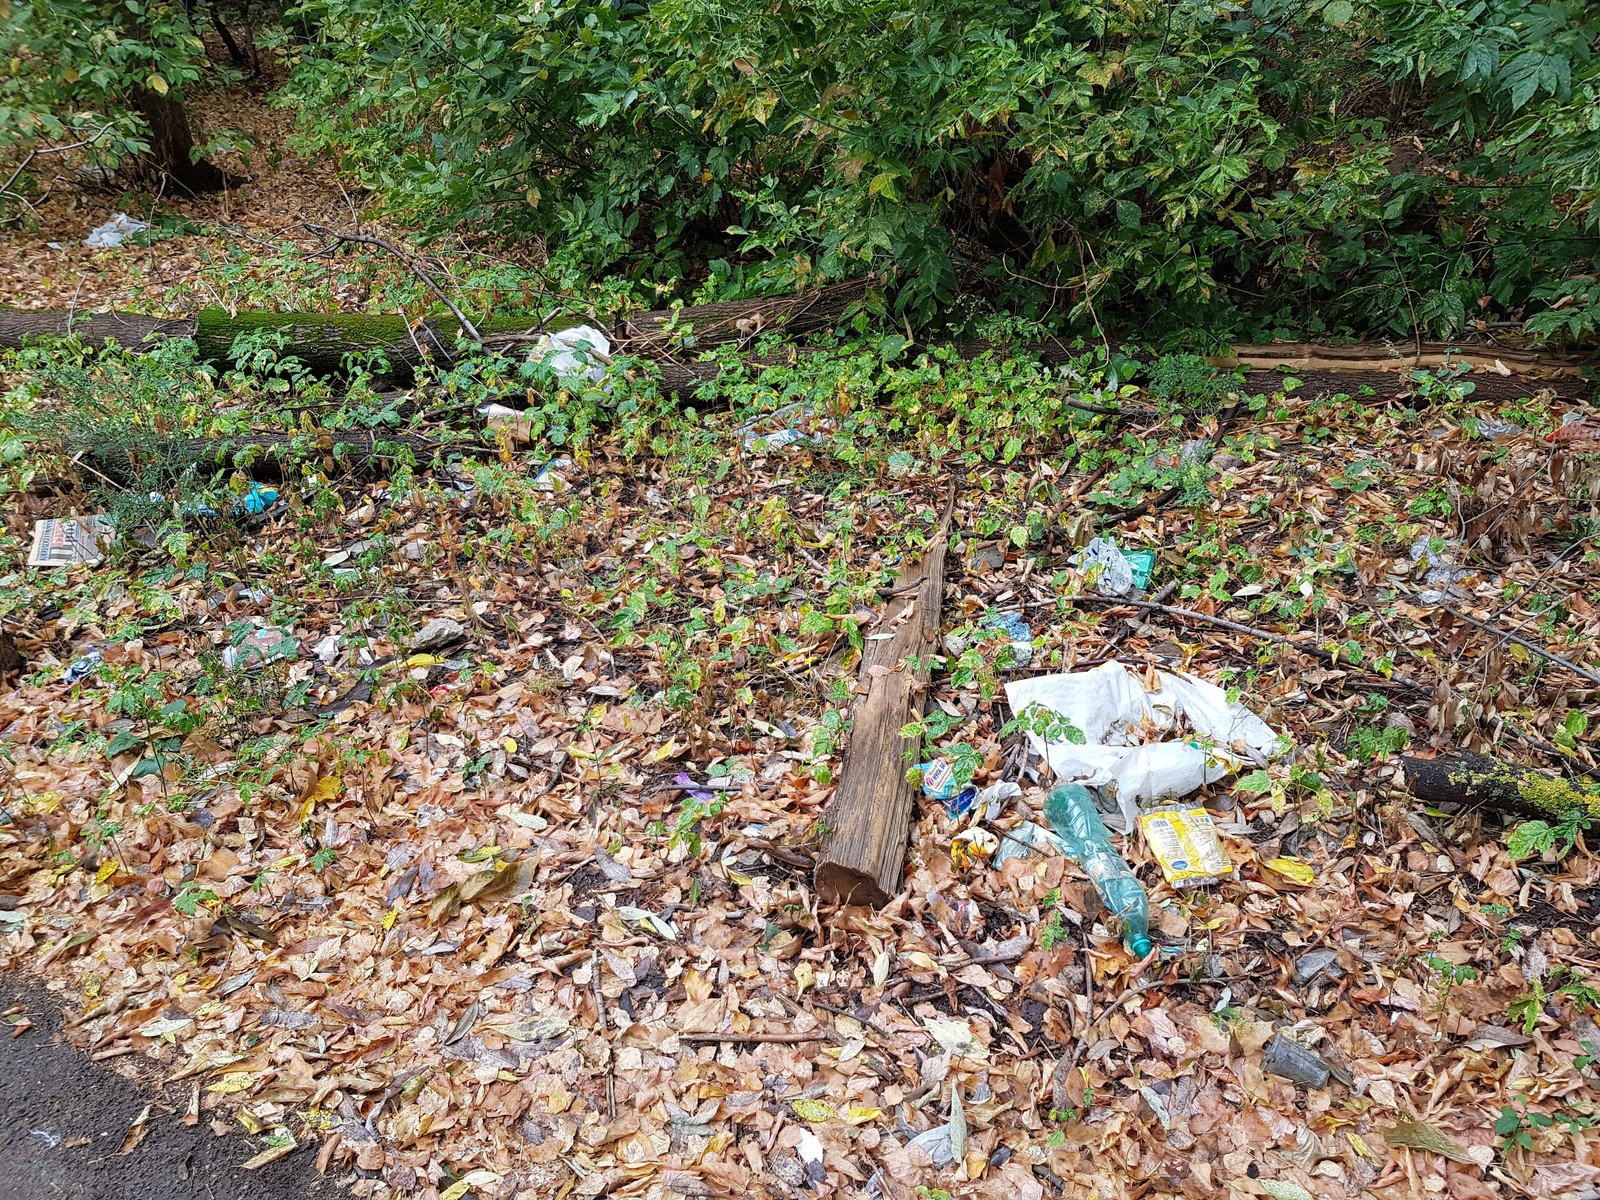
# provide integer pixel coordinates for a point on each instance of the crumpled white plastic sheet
(1111, 707)
(582, 352)
(110, 235)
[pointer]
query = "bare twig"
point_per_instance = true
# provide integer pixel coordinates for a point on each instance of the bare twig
(366, 239)
(5, 188)
(1534, 647)
(753, 1039)
(1188, 614)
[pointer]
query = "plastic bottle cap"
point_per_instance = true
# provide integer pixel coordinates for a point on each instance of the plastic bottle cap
(1141, 947)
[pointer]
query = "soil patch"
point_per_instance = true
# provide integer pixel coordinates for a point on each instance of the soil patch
(66, 1117)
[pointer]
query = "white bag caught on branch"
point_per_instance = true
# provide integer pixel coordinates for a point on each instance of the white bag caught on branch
(1112, 709)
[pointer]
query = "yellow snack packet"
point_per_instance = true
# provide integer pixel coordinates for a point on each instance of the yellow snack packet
(1185, 843)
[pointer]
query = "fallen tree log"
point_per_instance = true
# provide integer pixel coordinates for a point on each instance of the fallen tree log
(267, 456)
(1479, 781)
(861, 857)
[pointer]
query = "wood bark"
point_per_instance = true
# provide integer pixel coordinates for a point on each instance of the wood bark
(324, 342)
(655, 334)
(870, 813)
(171, 150)
(1479, 781)
(265, 456)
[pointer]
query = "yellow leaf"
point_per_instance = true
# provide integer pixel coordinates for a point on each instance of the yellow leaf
(390, 917)
(860, 1116)
(233, 1081)
(804, 976)
(814, 1110)
(249, 1120)
(272, 1154)
(1359, 1145)
(424, 660)
(106, 871)
(469, 1181)
(920, 958)
(1292, 868)
(156, 84)
(509, 745)
(739, 878)
(666, 750)
(325, 788)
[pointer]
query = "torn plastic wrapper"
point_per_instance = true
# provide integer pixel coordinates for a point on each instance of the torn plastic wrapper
(1110, 706)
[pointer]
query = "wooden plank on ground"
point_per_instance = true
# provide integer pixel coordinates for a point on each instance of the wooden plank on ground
(870, 813)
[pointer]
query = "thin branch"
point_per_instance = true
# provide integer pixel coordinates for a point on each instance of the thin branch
(5, 188)
(739, 1039)
(366, 239)
(1189, 614)
(1534, 647)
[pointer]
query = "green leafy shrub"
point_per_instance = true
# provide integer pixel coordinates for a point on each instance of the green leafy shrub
(1322, 166)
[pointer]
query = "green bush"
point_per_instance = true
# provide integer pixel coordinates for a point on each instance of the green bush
(1242, 169)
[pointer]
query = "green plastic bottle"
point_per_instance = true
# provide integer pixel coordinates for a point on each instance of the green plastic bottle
(1071, 812)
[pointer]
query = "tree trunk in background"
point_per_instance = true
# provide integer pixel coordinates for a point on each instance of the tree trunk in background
(172, 143)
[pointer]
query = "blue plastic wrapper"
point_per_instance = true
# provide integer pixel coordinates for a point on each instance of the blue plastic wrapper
(960, 806)
(939, 779)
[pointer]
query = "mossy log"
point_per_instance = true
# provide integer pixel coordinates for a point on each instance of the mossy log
(267, 456)
(1480, 781)
(325, 341)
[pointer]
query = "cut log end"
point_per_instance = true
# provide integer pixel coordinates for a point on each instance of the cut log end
(839, 884)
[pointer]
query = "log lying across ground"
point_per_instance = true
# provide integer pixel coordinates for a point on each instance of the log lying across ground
(869, 816)
(325, 341)
(1476, 780)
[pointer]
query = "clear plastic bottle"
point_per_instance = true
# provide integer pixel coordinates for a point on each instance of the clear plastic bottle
(1071, 812)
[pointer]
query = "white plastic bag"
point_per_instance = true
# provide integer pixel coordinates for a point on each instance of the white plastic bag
(1110, 706)
(109, 236)
(582, 352)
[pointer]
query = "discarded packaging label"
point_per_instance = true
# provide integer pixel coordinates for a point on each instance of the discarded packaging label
(1020, 633)
(959, 806)
(270, 644)
(1185, 843)
(1028, 839)
(972, 846)
(1119, 572)
(939, 779)
(1110, 711)
(70, 541)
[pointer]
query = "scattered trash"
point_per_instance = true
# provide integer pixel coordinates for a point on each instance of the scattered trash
(972, 846)
(1291, 1061)
(809, 1151)
(82, 668)
(757, 443)
(513, 422)
(1020, 633)
(549, 478)
(439, 632)
(1440, 556)
(256, 501)
(1184, 841)
(269, 644)
(960, 805)
(1071, 811)
(70, 541)
(939, 779)
(1313, 963)
(1574, 428)
(326, 650)
(1494, 427)
(1120, 572)
(785, 426)
(936, 1143)
(994, 797)
(111, 235)
(1110, 708)
(1027, 839)
(576, 355)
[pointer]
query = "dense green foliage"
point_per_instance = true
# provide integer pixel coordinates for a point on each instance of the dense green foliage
(89, 71)
(1316, 165)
